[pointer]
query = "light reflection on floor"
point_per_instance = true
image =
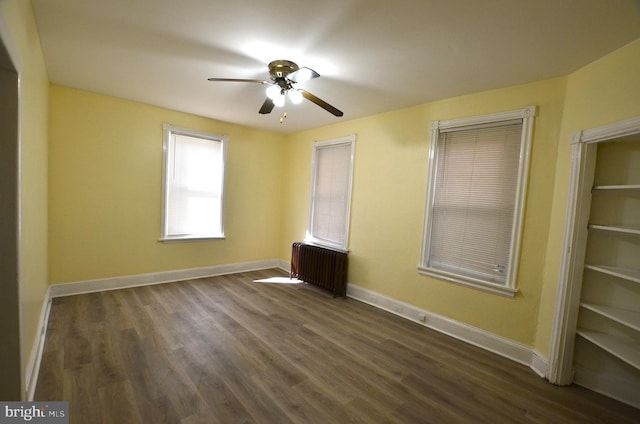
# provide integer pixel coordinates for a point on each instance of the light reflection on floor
(279, 280)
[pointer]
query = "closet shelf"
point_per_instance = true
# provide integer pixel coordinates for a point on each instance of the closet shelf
(625, 317)
(615, 228)
(617, 188)
(624, 273)
(625, 349)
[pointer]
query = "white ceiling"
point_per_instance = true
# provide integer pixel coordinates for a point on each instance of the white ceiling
(373, 55)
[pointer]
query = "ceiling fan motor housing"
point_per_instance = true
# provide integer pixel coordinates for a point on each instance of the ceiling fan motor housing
(282, 68)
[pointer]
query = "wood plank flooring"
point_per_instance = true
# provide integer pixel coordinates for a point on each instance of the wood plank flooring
(231, 350)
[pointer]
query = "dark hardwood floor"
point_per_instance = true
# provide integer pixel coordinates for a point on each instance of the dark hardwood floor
(230, 350)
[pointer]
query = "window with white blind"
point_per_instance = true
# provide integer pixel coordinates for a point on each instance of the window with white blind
(193, 183)
(332, 172)
(477, 181)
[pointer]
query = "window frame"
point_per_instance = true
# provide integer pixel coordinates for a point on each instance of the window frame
(527, 116)
(168, 142)
(310, 238)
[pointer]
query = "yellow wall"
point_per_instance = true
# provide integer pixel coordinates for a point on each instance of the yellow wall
(389, 192)
(33, 127)
(601, 93)
(105, 167)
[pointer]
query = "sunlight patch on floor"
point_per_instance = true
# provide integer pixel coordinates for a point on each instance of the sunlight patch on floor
(279, 280)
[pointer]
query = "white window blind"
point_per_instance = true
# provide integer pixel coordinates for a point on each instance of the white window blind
(475, 201)
(473, 206)
(194, 175)
(331, 193)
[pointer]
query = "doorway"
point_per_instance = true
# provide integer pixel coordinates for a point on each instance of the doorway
(596, 334)
(10, 322)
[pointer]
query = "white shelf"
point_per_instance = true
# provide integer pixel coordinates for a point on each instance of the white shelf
(625, 349)
(617, 188)
(624, 273)
(625, 317)
(615, 229)
(610, 318)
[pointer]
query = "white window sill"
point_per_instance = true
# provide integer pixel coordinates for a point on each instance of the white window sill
(316, 242)
(469, 282)
(184, 239)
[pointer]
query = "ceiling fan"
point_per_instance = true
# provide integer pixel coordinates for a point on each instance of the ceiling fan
(284, 75)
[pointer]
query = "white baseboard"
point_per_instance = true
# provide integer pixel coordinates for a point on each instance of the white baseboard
(502, 346)
(114, 283)
(539, 364)
(284, 265)
(35, 358)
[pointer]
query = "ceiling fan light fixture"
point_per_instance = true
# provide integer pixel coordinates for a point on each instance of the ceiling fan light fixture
(295, 96)
(279, 100)
(273, 91)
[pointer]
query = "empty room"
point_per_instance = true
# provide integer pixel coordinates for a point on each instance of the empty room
(332, 212)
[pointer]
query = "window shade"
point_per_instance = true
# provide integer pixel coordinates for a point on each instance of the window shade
(331, 193)
(473, 206)
(194, 186)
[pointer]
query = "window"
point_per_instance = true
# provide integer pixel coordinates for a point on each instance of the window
(477, 181)
(331, 192)
(193, 182)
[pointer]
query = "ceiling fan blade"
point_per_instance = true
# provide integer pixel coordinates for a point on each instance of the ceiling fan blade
(267, 107)
(303, 74)
(324, 105)
(239, 80)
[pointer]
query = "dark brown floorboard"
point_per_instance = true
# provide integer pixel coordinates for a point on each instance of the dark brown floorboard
(230, 350)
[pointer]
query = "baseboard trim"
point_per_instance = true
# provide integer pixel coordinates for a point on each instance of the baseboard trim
(539, 364)
(284, 265)
(502, 346)
(114, 283)
(35, 358)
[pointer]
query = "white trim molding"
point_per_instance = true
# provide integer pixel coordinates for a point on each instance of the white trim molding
(525, 112)
(33, 366)
(620, 129)
(499, 345)
(115, 283)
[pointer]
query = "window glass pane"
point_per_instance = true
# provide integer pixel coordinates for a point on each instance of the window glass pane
(474, 201)
(194, 184)
(331, 193)
(332, 185)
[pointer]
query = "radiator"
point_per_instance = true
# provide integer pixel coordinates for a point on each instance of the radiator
(320, 266)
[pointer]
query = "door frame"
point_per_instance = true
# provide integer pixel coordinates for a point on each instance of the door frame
(583, 159)
(11, 312)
